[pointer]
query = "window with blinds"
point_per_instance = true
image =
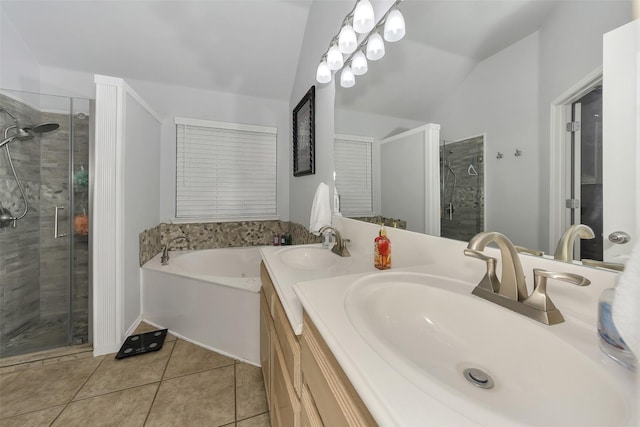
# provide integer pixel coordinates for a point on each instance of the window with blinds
(352, 156)
(225, 170)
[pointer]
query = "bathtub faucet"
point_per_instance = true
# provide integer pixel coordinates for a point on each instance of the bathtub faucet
(164, 259)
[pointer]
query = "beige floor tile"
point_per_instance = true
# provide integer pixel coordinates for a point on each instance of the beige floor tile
(145, 327)
(259, 421)
(113, 375)
(250, 394)
(202, 399)
(8, 377)
(41, 418)
(188, 358)
(126, 408)
(45, 386)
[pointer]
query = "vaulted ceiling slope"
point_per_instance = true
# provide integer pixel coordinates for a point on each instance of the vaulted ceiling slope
(253, 47)
(247, 47)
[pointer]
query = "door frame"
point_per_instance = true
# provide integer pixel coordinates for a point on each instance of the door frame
(558, 181)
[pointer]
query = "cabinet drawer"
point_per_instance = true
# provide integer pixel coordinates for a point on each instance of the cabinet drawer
(289, 345)
(335, 398)
(267, 287)
(285, 403)
(310, 416)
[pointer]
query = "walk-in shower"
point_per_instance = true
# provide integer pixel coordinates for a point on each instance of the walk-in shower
(44, 196)
(462, 188)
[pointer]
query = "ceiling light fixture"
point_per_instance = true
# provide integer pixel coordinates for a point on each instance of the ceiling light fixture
(394, 27)
(375, 47)
(347, 78)
(360, 20)
(347, 40)
(359, 63)
(363, 19)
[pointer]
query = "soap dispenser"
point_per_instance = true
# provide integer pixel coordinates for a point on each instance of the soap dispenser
(611, 343)
(382, 250)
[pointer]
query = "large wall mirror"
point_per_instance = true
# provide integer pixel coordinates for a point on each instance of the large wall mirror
(487, 72)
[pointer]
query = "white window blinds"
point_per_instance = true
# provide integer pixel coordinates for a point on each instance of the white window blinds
(225, 170)
(353, 174)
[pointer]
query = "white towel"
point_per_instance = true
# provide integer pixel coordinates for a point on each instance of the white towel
(626, 302)
(320, 209)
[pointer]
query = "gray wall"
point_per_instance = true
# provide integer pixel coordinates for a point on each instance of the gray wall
(19, 247)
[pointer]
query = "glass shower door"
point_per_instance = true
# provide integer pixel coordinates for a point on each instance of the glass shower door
(43, 285)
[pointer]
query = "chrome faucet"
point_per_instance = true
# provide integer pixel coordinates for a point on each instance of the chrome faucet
(564, 250)
(340, 248)
(164, 259)
(511, 291)
(513, 285)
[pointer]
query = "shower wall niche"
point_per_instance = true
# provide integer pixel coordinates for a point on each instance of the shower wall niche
(44, 278)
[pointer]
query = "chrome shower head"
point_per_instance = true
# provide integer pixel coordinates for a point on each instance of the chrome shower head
(42, 127)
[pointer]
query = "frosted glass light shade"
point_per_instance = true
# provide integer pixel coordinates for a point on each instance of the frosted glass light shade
(375, 47)
(347, 79)
(394, 28)
(363, 19)
(347, 40)
(323, 75)
(359, 63)
(335, 61)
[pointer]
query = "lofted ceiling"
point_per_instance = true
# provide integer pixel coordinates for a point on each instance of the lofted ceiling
(248, 47)
(252, 47)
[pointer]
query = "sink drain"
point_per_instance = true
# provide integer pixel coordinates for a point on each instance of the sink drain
(478, 378)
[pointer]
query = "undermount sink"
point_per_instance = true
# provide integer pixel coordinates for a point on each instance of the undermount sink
(484, 361)
(308, 258)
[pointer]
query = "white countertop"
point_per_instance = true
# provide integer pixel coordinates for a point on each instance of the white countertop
(397, 400)
(392, 399)
(284, 277)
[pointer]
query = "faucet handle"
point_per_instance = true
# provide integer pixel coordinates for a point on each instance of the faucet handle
(539, 299)
(490, 280)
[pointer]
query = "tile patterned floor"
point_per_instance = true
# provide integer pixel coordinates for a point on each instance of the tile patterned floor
(180, 385)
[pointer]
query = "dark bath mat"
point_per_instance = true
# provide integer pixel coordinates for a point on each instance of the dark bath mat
(142, 343)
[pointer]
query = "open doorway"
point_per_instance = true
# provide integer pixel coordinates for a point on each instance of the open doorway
(569, 124)
(584, 198)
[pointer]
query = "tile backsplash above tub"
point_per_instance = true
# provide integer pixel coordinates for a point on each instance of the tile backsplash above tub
(212, 235)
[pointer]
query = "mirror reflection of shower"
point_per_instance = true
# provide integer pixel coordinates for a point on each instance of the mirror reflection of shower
(20, 133)
(462, 187)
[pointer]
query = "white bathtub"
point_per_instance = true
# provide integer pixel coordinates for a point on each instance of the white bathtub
(209, 297)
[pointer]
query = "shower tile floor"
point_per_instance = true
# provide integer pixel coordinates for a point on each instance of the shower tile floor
(180, 385)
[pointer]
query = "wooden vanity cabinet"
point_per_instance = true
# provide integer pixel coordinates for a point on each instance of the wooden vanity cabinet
(280, 358)
(304, 383)
(336, 401)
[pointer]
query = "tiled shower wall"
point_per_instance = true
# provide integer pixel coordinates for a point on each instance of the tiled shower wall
(467, 218)
(20, 254)
(220, 235)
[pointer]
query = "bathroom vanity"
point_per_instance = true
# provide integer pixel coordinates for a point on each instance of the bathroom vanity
(286, 358)
(343, 344)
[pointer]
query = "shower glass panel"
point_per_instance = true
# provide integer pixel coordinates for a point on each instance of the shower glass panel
(462, 188)
(44, 254)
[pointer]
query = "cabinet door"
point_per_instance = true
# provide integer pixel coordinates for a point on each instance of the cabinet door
(266, 345)
(310, 415)
(286, 405)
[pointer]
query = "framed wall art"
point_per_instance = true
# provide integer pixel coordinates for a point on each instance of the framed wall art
(304, 135)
